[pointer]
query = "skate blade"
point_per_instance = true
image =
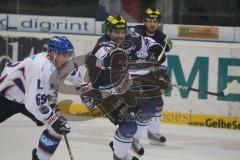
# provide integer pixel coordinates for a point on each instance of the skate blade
(135, 153)
(156, 143)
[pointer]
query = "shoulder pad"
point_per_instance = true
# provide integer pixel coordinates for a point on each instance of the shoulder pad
(105, 41)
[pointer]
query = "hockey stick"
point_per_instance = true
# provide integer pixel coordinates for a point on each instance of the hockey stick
(160, 56)
(68, 147)
(221, 94)
(232, 87)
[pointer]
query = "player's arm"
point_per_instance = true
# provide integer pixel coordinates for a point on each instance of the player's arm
(37, 102)
(96, 64)
(155, 51)
(168, 43)
(165, 41)
(78, 76)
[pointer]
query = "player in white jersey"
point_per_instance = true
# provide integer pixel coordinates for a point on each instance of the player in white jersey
(25, 88)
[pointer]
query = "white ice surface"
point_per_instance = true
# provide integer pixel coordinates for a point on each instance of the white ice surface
(89, 141)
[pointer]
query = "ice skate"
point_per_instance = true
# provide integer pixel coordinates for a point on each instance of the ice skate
(137, 147)
(156, 139)
(128, 157)
(34, 154)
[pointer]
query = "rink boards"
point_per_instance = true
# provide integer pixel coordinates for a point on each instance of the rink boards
(206, 65)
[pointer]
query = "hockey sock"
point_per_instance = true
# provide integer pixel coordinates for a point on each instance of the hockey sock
(141, 126)
(121, 145)
(48, 143)
(155, 125)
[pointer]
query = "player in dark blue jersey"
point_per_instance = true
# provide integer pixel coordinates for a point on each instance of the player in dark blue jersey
(152, 20)
(108, 73)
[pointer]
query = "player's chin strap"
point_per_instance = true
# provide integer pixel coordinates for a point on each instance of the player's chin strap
(52, 59)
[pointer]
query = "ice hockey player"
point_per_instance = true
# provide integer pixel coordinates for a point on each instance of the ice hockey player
(152, 20)
(118, 41)
(25, 88)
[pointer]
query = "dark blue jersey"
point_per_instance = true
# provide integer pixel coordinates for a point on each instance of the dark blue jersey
(135, 46)
(132, 44)
(159, 36)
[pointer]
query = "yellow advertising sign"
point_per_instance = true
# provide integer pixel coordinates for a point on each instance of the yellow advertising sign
(201, 120)
(78, 110)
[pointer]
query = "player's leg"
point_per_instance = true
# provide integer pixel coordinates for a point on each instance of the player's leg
(56, 126)
(25, 112)
(155, 127)
(48, 144)
(7, 108)
(144, 116)
(122, 141)
(136, 146)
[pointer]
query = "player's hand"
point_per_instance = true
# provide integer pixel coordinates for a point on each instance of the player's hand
(168, 43)
(88, 101)
(58, 123)
(154, 51)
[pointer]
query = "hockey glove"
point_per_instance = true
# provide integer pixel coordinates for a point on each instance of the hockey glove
(154, 52)
(88, 101)
(168, 43)
(58, 123)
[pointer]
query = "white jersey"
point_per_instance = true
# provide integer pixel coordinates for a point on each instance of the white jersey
(28, 82)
